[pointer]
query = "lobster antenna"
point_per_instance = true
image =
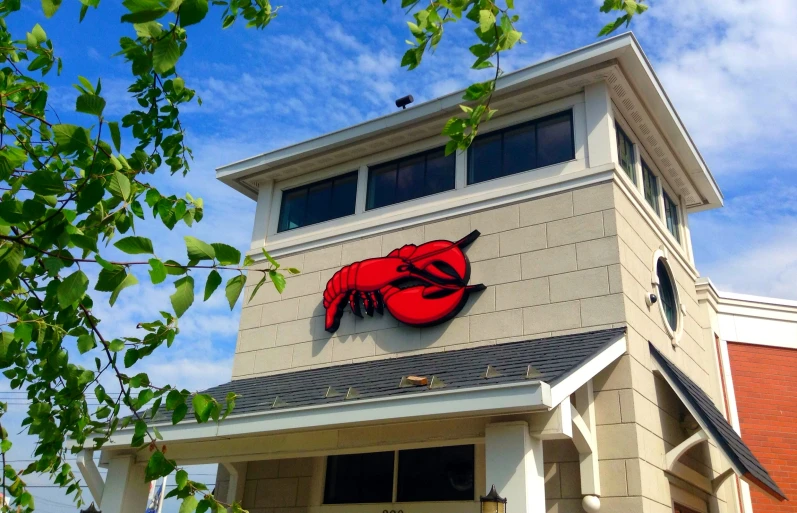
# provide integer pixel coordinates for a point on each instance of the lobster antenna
(461, 243)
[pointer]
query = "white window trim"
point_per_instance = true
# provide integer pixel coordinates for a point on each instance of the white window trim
(640, 153)
(462, 198)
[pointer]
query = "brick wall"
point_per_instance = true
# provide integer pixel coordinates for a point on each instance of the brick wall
(550, 266)
(765, 384)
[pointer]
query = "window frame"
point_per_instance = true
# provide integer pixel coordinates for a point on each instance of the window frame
(641, 154)
(666, 195)
(657, 192)
(424, 153)
(662, 256)
(308, 185)
(516, 126)
(478, 462)
(622, 132)
(463, 199)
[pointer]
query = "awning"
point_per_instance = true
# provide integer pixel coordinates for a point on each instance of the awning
(713, 424)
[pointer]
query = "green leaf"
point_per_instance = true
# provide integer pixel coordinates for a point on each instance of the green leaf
(23, 332)
(10, 260)
(278, 279)
(116, 136)
(116, 345)
(50, 7)
(203, 406)
(72, 289)
(90, 104)
(157, 272)
(165, 55)
(135, 245)
(214, 280)
(158, 466)
(199, 250)
(183, 296)
(189, 504)
(233, 289)
(273, 262)
(71, 138)
(45, 183)
(226, 255)
(38, 33)
(110, 278)
(486, 20)
(181, 479)
(129, 280)
(119, 185)
(179, 413)
(85, 343)
(90, 195)
(192, 12)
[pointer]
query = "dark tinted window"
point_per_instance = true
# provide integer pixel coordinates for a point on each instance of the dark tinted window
(318, 202)
(671, 216)
(651, 185)
(625, 153)
(667, 295)
(359, 478)
(438, 474)
(539, 143)
(410, 178)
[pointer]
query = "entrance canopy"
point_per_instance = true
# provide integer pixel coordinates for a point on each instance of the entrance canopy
(714, 427)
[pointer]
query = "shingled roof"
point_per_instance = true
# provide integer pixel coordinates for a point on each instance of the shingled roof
(552, 358)
(711, 419)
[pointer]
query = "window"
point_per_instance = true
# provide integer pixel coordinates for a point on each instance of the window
(318, 202)
(650, 184)
(539, 143)
(438, 474)
(671, 216)
(668, 296)
(424, 475)
(625, 153)
(359, 478)
(410, 177)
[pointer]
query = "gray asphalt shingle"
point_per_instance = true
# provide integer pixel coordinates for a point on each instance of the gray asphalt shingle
(553, 357)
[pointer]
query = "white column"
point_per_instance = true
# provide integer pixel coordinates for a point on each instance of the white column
(262, 214)
(125, 489)
(514, 466)
(601, 139)
(235, 490)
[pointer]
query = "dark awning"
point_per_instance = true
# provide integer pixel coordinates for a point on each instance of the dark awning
(711, 420)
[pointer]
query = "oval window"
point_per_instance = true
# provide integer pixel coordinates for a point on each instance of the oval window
(667, 294)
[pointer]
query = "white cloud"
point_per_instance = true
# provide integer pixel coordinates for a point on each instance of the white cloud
(729, 66)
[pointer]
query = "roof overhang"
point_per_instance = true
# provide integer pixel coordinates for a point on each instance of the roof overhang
(715, 426)
(425, 120)
(520, 396)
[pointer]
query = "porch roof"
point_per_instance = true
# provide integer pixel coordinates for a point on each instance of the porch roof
(711, 420)
(552, 359)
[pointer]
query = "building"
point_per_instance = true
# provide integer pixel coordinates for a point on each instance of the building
(530, 317)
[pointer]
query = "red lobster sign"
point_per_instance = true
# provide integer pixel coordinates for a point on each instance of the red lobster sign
(419, 285)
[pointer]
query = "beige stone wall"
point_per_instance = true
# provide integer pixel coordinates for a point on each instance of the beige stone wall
(551, 266)
(639, 417)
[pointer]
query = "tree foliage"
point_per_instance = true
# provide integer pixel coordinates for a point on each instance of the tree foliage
(68, 191)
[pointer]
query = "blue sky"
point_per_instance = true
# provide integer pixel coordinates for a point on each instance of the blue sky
(729, 67)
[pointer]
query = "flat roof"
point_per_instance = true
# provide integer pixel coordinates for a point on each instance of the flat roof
(624, 49)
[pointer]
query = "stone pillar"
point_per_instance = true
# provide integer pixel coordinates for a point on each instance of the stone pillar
(514, 466)
(125, 489)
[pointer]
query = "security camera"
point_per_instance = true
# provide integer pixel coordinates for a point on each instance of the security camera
(404, 101)
(651, 299)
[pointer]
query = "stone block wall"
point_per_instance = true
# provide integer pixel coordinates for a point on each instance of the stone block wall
(551, 266)
(278, 486)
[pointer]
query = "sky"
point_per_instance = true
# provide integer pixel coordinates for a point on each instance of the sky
(729, 66)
